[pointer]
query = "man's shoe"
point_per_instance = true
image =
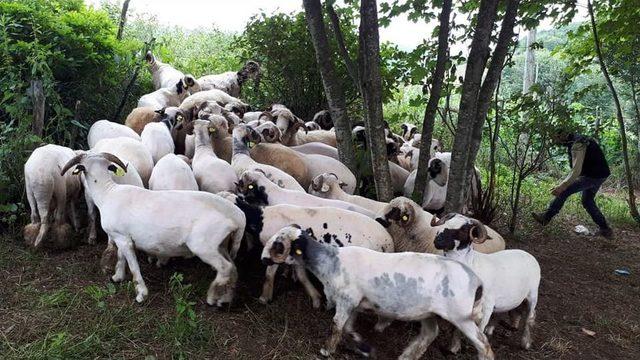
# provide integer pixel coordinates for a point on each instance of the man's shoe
(540, 218)
(605, 233)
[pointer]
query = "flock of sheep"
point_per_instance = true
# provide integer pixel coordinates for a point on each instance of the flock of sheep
(193, 172)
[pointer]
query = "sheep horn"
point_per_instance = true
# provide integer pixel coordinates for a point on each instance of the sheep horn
(482, 237)
(114, 159)
(443, 220)
(316, 186)
(280, 258)
(74, 161)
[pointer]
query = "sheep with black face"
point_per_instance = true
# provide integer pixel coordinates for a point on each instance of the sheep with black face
(402, 286)
(510, 277)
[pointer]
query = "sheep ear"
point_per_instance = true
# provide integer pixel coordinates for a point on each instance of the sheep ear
(324, 188)
(342, 184)
(179, 87)
(160, 111)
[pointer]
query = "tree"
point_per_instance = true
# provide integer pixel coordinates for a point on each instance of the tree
(476, 95)
(434, 97)
(371, 87)
(332, 87)
(123, 19)
(619, 116)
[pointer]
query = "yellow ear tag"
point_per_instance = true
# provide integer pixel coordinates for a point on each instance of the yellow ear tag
(212, 130)
(250, 187)
(405, 218)
(250, 144)
(298, 251)
(119, 172)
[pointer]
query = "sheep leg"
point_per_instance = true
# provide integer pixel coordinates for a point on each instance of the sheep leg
(91, 212)
(62, 230)
(106, 261)
(469, 328)
(31, 230)
(126, 246)
(75, 216)
(267, 287)
(343, 313)
(456, 342)
(301, 273)
(456, 338)
(120, 268)
(43, 210)
(417, 347)
(222, 287)
(532, 301)
(515, 316)
(360, 345)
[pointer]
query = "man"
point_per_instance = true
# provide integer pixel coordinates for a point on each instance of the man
(589, 169)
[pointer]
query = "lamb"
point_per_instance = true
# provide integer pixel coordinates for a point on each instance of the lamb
(212, 174)
(411, 228)
(323, 119)
(163, 75)
(131, 150)
(48, 191)
(105, 129)
(403, 286)
(328, 186)
(231, 82)
(204, 225)
(258, 190)
(243, 138)
(289, 125)
(164, 97)
(157, 138)
(172, 173)
(337, 227)
(509, 277)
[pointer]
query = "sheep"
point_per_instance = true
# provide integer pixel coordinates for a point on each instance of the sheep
(48, 191)
(220, 138)
(231, 82)
(195, 101)
(131, 150)
(105, 129)
(258, 190)
(328, 186)
(289, 125)
(411, 228)
(317, 148)
(268, 131)
(320, 164)
(141, 116)
(164, 97)
(334, 226)
(172, 173)
(403, 286)
(212, 174)
(157, 138)
(311, 126)
(283, 158)
(509, 277)
(252, 116)
(243, 138)
(408, 130)
(164, 224)
(163, 75)
(435, 192)
(323, 119)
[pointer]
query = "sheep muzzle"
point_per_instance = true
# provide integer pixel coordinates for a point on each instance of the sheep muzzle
(280, 251)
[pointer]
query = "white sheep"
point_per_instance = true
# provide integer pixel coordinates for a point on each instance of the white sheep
(212, 173)
(317, 148)
(156, 136)
(408, 130)
(258, 190)
(403, 286)
(164, 97)
(105, 129)
(411, 228)
(47, 191)
(192, 104)
(289, 125)
(130, 150)
(172, 173)
(334, 226)
(509, 277)
(164, 224)
(435, 192)
(163, 75)
(328, 186)
(231, 81)
(323, 119)
(243, 138)
(311, 126)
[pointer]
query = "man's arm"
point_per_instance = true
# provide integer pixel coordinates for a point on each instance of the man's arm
(578, 151)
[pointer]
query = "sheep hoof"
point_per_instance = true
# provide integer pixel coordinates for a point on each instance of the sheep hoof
(62, 236)
(30, 232)
(325, 352)
(455, 348)
(264, 301)
(526, 344)
(116, 278)
(142, 293)
(316, 303)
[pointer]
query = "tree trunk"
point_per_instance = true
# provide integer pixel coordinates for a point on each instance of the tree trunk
(529, 73)
(332, 87)
(37, 98)
(134, 77)
(344, 53)
(488, 87)
(634, 97)
(476, 62)
(432, 105)
(633, 209)
(371, 85)
(123, 19)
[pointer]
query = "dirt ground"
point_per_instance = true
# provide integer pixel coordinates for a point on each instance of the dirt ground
(46, 308)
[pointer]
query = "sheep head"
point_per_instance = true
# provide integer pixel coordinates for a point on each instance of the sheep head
(246, 134)
(323, 119)
(438, 171)
(322, 184)
(252, 185)
(312, 125)
(287, 246)
(84, 160)
(400, 212)
(459, 232)
(269, 131)
(172, 117)
(218, 127)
